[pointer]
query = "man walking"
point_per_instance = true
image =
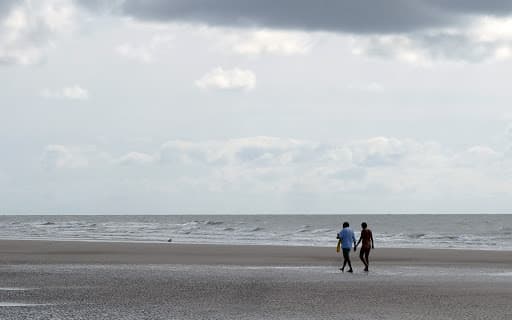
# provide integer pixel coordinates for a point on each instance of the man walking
(347, 237)
(367, 238)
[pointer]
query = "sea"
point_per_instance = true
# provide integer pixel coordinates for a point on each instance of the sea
(471, 231)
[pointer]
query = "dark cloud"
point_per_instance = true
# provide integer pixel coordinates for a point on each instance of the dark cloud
(102, 6)
(5, 6)
(433, 47)
(362, 16)
(485, 7)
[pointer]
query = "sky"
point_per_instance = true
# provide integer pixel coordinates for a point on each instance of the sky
(240, 107)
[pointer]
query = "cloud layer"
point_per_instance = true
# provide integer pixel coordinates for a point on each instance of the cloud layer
(418, 31)
(370, 167)
(332, 15)
(483, 39)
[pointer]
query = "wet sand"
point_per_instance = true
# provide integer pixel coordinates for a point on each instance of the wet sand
(96, 280)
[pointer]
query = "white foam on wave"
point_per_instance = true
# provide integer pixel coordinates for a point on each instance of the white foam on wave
(422, 231)
(21, 304)
(15, 289)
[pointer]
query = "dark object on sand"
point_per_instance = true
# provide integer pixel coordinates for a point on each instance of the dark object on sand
(170, 240)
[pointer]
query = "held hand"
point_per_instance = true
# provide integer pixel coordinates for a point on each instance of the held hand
(355, 248)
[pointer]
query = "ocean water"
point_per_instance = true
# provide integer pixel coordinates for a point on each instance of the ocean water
(413, 231)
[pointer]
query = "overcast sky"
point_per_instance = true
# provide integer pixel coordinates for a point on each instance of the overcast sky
(241, 106)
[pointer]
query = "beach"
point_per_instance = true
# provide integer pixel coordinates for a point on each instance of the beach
(116, 280)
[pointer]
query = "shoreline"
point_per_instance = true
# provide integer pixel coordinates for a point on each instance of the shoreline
(102, 252)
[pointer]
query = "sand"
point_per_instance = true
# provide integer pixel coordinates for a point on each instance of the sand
(99, 280)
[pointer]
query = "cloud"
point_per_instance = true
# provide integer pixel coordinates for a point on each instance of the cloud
(60, 156)
(354, 173)
(228, 79)
(370, 168)
(469, 7)
(376, 153)
(145, 52)
(508, 133)
(263, 151)
(28, 28)
(270, 42)
(342, 16)
(381, 151)
(135, 158)
(385, 164)
(480, 156)
(484, 39)
(361, 17)
(185, 152)
(418, 32)
(73, 93)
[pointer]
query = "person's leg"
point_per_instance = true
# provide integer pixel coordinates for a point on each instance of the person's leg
(362, 257)
(348, 261)
(345, 256)
(367, 256)
(366, 261)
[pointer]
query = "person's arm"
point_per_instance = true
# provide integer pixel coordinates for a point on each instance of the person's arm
(360, 238)
(371, 237)
(354, 239)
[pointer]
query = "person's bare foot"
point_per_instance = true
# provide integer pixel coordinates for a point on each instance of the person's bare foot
(342, 269)
(366, 269)
(351, 271)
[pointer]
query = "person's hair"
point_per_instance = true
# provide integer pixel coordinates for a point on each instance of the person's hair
(364, 225)
(345, 224)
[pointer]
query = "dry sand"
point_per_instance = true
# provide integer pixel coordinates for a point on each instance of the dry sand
(95, 280)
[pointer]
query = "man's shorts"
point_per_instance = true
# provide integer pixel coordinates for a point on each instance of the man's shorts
(346, 252)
